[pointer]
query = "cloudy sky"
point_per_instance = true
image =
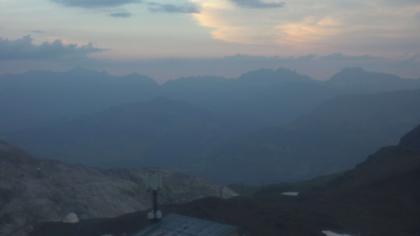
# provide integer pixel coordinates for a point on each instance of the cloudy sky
(52, 32)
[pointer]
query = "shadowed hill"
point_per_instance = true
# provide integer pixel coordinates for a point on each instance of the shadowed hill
(336, 136)
(37, 98)
(158, 133)
(255, 100)
(379, 197)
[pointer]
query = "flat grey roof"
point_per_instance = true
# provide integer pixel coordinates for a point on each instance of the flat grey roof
(178, 225)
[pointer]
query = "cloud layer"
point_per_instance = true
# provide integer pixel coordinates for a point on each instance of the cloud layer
(187, 8)
(121, 14)
(303, 26)
(258, 4)
(94, 3)
(25, 49)
(211, 28)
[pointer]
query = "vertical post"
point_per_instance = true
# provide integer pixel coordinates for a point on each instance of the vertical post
(154, 184)
(155, 203)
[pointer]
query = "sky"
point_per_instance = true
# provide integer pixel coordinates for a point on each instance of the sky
(113, 34)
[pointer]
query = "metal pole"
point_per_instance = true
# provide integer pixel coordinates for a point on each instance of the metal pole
(155, 203)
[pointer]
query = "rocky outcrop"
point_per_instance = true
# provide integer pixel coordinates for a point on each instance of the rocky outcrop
(32, 191)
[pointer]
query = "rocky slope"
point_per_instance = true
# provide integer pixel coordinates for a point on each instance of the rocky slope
(34, 190)
(380, 197)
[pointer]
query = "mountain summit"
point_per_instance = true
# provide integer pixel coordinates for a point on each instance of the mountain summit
(358, 80)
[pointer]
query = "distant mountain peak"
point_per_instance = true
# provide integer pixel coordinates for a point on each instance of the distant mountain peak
(84, 70)
(353, 69)
(282, 74)
(359, 73)
(360, 80)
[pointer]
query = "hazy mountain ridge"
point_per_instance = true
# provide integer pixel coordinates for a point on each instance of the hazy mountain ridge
(209, 125)
(255, 100)
(47, 97)
(35, 99)
(160, 132)
(357, 80)
(335, 136)
(34, 190)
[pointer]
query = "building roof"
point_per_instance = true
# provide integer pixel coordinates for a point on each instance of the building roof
(178, 225)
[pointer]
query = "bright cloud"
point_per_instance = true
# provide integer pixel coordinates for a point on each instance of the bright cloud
(258, 3)
(229, 22)
(143, 28)
(309, 30)
(313, 25)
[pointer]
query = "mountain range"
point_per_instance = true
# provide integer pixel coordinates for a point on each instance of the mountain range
(267, 125)
(335, 136)
(39, 98)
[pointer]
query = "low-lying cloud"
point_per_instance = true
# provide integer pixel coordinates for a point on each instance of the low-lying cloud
(187, 8)
(95, 3)
(153, 6)
(258, 4)
(120, 14)
(25, 49)
(384, 27)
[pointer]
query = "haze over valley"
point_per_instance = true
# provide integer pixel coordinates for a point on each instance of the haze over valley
(209, 118)
(268, 125)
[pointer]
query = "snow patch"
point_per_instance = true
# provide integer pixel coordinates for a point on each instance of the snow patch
(330, 233)
(71, 218)
(290, 194)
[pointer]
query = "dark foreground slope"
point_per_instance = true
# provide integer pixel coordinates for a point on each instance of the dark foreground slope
(379, 197)
(34, 190)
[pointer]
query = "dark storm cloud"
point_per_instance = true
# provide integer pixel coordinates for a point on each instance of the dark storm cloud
(95, 3)
(120, 14)
(257, 4)
(187, 8)
(25, 49)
